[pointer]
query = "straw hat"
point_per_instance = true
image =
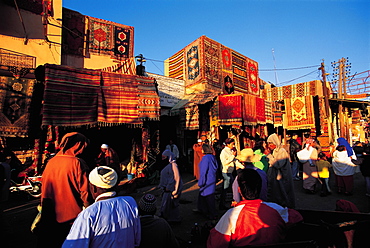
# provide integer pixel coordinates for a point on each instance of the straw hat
(247, 155)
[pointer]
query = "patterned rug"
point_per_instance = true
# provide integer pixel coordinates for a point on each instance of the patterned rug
(277, 114)
(311, 88)
(192, 117)
(230, 109)
(250, 115)
(15, 100)
(101, 36)
(212, 63)
(118, 100)
(149, 101)
(239, 70)
(254, 87)
(70, 96)
(176, 65)
(123, 41)
(111, 38)
(260, 111)
(299, 113)
(193, 64)
(268, 112)
(73, 32)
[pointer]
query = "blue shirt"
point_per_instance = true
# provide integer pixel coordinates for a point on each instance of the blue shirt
(112, 222)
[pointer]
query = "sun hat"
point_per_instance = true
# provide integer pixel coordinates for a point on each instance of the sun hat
(103, 177)
(104, 146)
(147, 203)
(247, 155)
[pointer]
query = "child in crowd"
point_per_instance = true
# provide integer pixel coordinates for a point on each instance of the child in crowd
(323, 171)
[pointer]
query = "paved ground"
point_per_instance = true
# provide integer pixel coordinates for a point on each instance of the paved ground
(18, 213)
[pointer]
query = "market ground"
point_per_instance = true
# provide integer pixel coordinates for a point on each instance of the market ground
(19, 213)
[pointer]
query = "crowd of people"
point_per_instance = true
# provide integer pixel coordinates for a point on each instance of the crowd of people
(81, 207)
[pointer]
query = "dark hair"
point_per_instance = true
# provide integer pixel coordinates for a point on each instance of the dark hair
(321, 155)
(259, 145)
(341, 148)
(206, 148)
(250, 183)
(229, 141)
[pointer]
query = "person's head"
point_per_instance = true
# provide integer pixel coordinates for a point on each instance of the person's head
(273, 141)
(250, 184)
(74, 143)
(229, 142)
(147, 205)
(104, 147)
(322, 156)
(341, 148)
(358, 143)
(310, 142)
(206, 149)
(102, 179)
(167, 154)
(294, 136)
(247, 156)
(170, 142)
(259, 145)
(200, 141)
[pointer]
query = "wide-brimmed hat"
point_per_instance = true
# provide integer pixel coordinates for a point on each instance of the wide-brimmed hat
(247, 155)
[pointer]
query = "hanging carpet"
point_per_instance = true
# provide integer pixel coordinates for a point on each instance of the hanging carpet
(118, 100)
(70, 97)
(250, 114)
(299, 113)
(260, 111)
(149, 101)
(15, 100)
(230, 109)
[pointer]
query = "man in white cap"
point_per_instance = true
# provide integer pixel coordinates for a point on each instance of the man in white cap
(112, 221)
(108, 157)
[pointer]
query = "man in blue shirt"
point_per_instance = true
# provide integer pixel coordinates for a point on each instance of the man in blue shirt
(112, 221)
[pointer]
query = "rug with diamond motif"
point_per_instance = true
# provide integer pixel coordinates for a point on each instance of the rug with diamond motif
(299, 113)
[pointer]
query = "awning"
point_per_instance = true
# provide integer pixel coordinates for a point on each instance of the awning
(193, 99)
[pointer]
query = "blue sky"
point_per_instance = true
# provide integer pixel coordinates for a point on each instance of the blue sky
(301, 33)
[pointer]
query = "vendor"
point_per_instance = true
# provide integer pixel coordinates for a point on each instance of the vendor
(108, 157)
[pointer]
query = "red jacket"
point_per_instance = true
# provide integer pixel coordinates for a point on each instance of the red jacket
(252, 222)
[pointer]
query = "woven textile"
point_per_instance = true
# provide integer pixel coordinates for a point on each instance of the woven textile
(123, 41)
(239, 68)
(70, 96)
(268, 112)
(277, 114)
(253, 81)
(212, 63)
(149, 102)
(15, 99)
(215, 115)
(73, 33)
(260, 111)
(101, 36)
(230, 109)
(249, 113)
(356, 116)
(192, 65)
(311, 88)
(192, 117)
(299, 113)
(176, 65)
(118, 100)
